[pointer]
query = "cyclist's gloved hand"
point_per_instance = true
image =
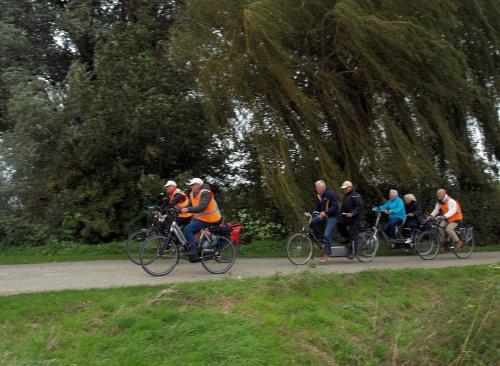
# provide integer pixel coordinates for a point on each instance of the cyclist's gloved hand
(375, 209)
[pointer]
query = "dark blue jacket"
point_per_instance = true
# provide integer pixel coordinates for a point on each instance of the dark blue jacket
(329, 203)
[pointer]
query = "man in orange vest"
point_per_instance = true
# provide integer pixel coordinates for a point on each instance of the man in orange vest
(179, 200)
(451, 213)
(205, 212)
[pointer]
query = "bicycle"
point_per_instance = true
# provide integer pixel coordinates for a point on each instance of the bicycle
(410, 241)
(300, 246)
(465, 233)
(138, 237)
(160, 254)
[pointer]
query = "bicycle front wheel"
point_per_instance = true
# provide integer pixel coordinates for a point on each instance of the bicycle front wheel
(369, 247)
(159, 256)
(218, 258)
(467, 236)
(427, 245)
(299, 249)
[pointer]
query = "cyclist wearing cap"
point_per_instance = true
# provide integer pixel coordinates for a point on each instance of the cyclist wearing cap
(179, 200)
(351, 214)
(205, 212)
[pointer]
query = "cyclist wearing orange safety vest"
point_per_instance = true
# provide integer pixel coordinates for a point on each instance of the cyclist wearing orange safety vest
(451, 213)
(205, 212)
(179, 200)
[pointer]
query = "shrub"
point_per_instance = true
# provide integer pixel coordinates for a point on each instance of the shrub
(259, 226)
(15, 230)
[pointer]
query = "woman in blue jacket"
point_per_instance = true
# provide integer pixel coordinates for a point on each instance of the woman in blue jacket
(395, 207)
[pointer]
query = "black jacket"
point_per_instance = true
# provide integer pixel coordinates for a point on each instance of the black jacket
(353, 203)
(415, 208)
(329, 203)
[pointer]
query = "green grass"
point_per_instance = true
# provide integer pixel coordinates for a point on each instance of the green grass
(64, 251)
(412, 317)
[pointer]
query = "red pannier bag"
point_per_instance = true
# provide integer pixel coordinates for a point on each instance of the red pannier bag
(236, 229)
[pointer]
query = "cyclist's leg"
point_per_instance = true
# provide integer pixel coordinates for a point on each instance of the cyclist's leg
(441, 231)
(354, 234)
(390, 227)
(331, 222)
(315, 226)
(190, 230)
(342, 228)
(451, 231)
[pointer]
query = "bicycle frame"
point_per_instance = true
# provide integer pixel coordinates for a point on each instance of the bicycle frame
(177, 231)
(377, 231)
(336, 251)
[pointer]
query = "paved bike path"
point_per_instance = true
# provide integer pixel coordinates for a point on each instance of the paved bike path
(21, 278)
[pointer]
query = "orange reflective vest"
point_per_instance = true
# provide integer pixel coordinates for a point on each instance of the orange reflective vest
(211, 212)
(182, 204)
(458, 216)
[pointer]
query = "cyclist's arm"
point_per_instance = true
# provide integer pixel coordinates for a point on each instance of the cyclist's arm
(333, 210)
(435, 212)
(383, 207)
(358, 205)
(204, 201)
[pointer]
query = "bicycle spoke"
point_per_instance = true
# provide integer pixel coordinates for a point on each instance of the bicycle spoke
(159, 256)
(299, 249)
(218, 257)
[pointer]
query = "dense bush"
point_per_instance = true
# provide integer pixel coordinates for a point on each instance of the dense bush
(259, 226)
(17, 231)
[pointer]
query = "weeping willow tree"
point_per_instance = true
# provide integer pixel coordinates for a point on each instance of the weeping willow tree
(376, 91)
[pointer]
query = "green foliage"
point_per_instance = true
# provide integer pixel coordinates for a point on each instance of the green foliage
(415, 317)
(259, 225)
(84, 151)
(100, 101)
(375, 91)
(14, 231)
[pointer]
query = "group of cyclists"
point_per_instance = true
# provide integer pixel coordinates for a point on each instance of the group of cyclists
(195, 212)
(199, 210)
(406, 212)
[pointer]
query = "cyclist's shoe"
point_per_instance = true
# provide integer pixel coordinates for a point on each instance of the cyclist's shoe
(408, 241)
(459, 245)
(193, 253)
(351, 256)
(324, 258)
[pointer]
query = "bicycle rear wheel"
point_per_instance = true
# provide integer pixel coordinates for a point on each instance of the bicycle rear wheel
(467, 236)
(299, 249)
(218, 258)
(159, 255)
(369, 247)
(427, 245)
(134, 244)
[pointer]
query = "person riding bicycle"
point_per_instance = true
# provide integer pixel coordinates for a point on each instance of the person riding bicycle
(205, 212)
(450, 213)
(413, 211)
(396, 210)
(328, 208)
(179, 200)
(352, 214)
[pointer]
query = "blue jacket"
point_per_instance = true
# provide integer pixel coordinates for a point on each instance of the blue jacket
(397, 208)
